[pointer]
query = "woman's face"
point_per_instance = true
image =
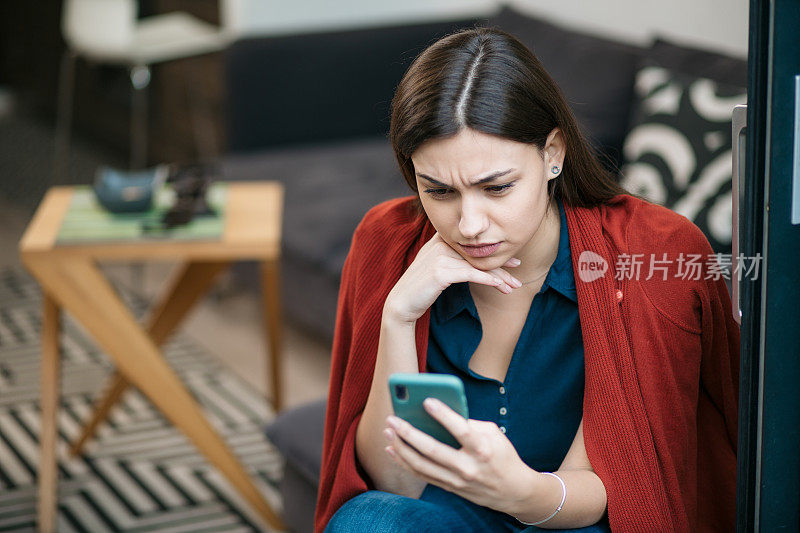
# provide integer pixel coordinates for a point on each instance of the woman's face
(487, 196)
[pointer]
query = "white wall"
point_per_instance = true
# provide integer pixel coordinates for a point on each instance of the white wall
(296, 16)
(714, 24)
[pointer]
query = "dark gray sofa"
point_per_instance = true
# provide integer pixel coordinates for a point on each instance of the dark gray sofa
(312, 111)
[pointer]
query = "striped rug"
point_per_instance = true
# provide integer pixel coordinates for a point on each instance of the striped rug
(140, 473)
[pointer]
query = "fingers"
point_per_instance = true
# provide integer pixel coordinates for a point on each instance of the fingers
(456, 270)
(507, 278)
(474, 275)
(424, 443)
(500, 278)
(457, 425)
(420, 465)
(435, 239)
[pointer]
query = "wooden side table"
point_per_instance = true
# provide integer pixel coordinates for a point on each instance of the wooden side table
(71, 280)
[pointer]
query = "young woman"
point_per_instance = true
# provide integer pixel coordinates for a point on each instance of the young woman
(602, 395)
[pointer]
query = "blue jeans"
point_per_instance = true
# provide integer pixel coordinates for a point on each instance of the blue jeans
(435, 511)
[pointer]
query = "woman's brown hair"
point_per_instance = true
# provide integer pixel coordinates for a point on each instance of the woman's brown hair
(487, 80)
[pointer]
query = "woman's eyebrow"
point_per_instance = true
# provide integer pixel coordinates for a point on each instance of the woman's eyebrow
(491, 177)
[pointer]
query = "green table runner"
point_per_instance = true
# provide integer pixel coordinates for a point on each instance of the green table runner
(87, 221)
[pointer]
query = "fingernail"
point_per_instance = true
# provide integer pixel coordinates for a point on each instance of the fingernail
(389, 450)
(516, 282)
(431, 404)
(391, 421)
(388, 433)
(514, 261)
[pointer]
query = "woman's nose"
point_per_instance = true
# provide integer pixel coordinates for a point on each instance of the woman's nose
(473, 220)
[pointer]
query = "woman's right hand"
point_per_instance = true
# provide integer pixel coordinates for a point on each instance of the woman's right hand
(436, 267)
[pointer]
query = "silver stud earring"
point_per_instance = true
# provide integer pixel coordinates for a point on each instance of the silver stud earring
(555, 170)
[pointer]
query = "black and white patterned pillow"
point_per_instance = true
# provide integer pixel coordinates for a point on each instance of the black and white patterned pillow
(678, 150)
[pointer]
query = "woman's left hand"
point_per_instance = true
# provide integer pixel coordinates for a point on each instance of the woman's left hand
(486, 470)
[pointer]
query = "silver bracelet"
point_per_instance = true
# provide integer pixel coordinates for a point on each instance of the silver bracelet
(560, 505)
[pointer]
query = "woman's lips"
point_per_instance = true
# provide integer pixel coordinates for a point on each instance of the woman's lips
(483, 250)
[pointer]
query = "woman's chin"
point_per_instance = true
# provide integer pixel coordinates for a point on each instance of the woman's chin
(486, 264)
(496, 259)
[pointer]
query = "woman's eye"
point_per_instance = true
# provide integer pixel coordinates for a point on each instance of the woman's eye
(437, 192)
(496, 189)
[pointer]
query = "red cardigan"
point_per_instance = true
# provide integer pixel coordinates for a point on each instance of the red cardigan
(662, 364)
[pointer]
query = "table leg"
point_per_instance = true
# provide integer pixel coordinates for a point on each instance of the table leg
(190, 284)
(50, 373)
(81, 289)
(271, 310)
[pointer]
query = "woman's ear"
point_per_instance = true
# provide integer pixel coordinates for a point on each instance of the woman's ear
(554, 152)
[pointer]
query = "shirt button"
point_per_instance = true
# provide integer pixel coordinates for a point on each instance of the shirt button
(502, 429)
(503, 410)
(502, 390)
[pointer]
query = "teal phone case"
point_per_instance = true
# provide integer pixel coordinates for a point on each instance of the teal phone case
(445, 387)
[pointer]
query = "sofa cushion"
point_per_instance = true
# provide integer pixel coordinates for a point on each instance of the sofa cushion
(595, 74)
(678, 152)
(297, 434)
(699, 63)
(325, 86)
(328, 189)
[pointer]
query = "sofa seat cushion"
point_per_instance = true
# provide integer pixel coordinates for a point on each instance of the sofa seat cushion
(297, 434)
(328, 188)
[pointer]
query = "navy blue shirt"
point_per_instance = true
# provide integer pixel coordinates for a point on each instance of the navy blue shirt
(540, 402)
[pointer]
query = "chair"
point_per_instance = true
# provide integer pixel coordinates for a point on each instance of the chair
(108, 32)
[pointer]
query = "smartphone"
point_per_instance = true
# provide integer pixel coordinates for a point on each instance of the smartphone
(408, 391)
